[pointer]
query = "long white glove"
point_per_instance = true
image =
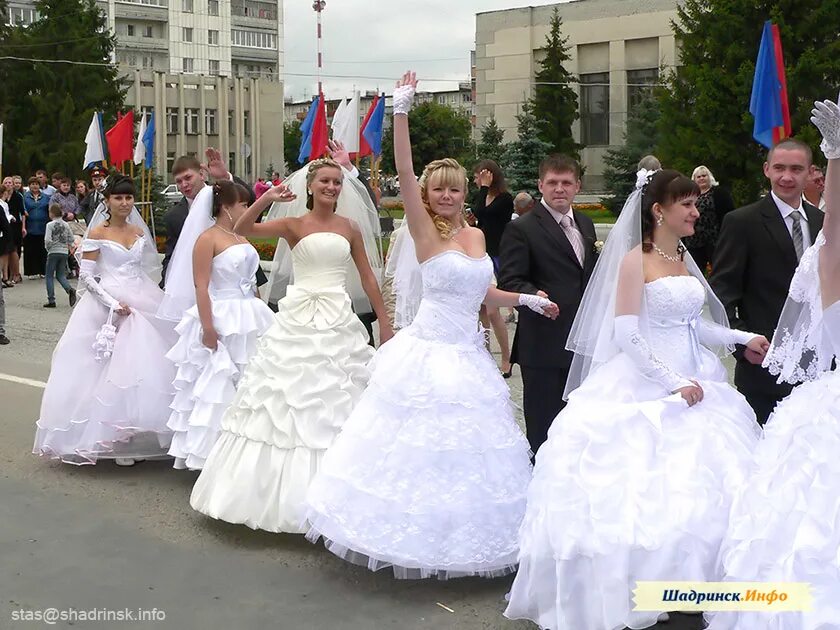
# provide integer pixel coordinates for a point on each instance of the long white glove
(534, 302)
(633, 344)
(86, 277)
(403, 99)
(826, 117)
(711, 334)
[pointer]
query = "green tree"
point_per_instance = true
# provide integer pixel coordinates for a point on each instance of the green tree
(292, 137)
(521, 158)
(640, 138)
(47, 107)
(437, 132)
(555, 101)
(705, 117)
(491, 146)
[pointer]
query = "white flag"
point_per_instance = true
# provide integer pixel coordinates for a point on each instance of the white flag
(348, 132)
(93, 139)
(140, 147)
(338, 117)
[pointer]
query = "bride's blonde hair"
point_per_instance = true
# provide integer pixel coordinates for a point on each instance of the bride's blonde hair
(447, 172)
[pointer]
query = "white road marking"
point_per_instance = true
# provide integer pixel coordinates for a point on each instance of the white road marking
(23, 381)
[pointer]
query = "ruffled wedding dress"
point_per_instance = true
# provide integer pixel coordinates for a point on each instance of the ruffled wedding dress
(633, 484)
(785, 523)
(430, 471)
(117, 407)
(206, 380)
(309, 370)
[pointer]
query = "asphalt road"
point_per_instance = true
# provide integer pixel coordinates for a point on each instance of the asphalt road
(104, 537)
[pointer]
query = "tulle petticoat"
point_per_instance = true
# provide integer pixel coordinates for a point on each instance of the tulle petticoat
(629, 486)
(205, 381)
(309, 370)
(429, 473)
(115, 408)
(785, 523)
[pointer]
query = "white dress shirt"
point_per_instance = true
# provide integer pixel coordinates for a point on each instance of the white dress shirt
(786, 210)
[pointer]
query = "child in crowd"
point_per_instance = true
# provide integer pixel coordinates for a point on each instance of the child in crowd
(58, 240)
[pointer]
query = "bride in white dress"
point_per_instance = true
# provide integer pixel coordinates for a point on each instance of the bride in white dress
(636, 478)
(108, 395)
(785, 523)
(428, 474)
(217, 336)
(310, 367)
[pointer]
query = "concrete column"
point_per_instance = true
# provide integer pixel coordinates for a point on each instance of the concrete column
(201, 113)
(181, 146)
(618, 92)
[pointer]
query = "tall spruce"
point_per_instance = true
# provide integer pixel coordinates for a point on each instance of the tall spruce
(640, 138)
(492, 145)
(521, 158)
(705, 117)
(555, 102)
(47, 107)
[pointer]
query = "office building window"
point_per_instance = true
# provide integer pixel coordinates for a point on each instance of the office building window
(210, 122)
(246, 123)
(147, 31)
(170, 161)
(595, 109)
(188, 64)
(130, 30)
(253, 39)
(187, 34)
(187, 6)
(640, 86)
(191, 121)
(213, 7)
(213, 38)
(214, 66)
(171, 121)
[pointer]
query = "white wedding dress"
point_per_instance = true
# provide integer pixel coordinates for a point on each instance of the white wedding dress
(205, 382)
(117, 407)
(309, 370)
(429, 473)
(785, 523)
(633, 484)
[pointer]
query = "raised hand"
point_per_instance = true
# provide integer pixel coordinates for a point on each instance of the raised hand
(215, 164)
(826, 117)
(280, 193)
(340, 154)
(485, 178)
(404, 93)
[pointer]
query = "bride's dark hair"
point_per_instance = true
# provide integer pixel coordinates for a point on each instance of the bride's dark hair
(665, 187)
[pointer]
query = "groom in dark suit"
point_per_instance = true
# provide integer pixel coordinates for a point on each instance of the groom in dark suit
(757, 253)
(551, 250)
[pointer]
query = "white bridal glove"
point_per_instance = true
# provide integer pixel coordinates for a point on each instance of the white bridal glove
(403, 99)
(86, 277)
(631, 341)
(534, 302)
(826, 117)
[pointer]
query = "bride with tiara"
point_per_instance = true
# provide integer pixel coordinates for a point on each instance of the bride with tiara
(118, 409)
(639, 470)
(785, 522)
(311, 366)
(217, 336)
(428, 474)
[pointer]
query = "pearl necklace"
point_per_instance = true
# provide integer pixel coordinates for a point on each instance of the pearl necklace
(227, 231)
(676, 259)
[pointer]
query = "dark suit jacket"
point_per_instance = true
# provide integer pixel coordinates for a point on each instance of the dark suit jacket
(174, 220)
(753, 265)
(536, 256)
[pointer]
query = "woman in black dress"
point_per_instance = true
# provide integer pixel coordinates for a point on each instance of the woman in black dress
(493, 209)
(14, 200)
(713, 203)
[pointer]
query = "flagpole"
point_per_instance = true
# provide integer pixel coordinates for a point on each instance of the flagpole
(319, 5)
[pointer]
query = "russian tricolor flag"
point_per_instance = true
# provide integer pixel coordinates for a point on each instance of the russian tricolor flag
(769, 102)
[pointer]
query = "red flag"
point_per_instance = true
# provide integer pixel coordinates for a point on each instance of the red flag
(780, 133)
(364, 147)
(320, 133)
(120, 139)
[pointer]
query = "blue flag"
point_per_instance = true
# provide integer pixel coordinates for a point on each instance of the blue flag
(373, 129)
(768, 101)
(148, 140)
(306, 131)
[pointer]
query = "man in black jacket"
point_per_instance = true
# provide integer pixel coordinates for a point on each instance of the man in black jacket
(189, 176)
(757, 253)
(550, 250)
(96, 194)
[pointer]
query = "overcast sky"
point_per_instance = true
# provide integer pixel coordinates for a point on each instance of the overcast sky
(368, 44)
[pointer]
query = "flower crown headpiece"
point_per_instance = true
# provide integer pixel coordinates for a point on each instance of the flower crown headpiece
(324, 161)
(644, 177)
